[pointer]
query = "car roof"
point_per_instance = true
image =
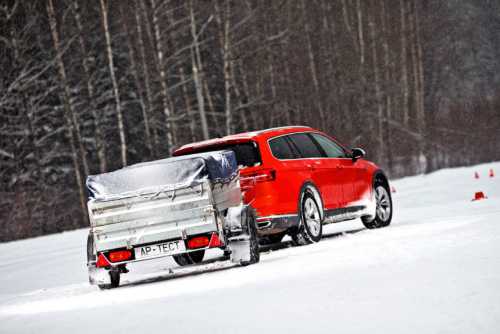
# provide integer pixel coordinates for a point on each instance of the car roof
(240, 138)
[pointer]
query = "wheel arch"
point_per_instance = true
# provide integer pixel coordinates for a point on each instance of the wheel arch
(309, 186)
(381, 177)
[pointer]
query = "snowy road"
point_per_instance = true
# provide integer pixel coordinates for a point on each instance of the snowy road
(436, 269)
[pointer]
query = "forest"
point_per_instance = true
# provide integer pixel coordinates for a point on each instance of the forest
(91, 86)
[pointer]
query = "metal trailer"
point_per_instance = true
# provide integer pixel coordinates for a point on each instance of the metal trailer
(172, 207)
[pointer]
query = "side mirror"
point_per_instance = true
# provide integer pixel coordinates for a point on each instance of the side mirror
(357, 153)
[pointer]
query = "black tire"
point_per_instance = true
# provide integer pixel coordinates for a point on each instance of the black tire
(384, 209)
(251, 226)
(189, 258)
(271, 239)
(310, 227)
(115, 280)
(90, 249)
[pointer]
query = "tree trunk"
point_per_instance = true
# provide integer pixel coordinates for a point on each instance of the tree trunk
(227, 70)
(65, 87)
(362, 75)
(197, 74)
(91, 98)
(147, 78)
(137, 78)
(404, 70)
(312, 66)
(68, 111)
(163, 79)
(210, 101)
(418, 79)
(189, 107)
(223, 21)
(378, 93)
(116, 92)
(388, 78)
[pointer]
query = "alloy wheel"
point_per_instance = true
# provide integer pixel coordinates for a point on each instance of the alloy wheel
(383, 204)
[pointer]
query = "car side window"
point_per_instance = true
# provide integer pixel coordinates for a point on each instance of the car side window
(306, 146)
(281, 149)
(332, 149)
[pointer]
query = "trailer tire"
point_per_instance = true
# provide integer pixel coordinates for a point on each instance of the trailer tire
(90, 249)
(251, 226)
(115, 280)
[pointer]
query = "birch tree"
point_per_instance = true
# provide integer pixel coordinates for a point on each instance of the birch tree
(116, 90)
(100, 146)
(69, 114)
(197, 70)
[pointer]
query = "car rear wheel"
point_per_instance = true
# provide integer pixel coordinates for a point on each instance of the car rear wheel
(383, 211)
(310, 227)
(189, 258)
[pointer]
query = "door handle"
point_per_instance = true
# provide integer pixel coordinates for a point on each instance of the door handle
(339, 167)
(311, 167)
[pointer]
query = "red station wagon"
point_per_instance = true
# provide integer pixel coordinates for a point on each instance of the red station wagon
(298, 179)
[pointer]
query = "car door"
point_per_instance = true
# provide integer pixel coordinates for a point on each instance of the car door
(291, 170)
(340, 168)
(323, 170)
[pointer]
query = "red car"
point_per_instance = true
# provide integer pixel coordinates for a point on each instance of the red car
(298, 178)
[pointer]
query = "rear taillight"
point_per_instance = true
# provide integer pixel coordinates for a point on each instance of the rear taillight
(262, 175)
(198, 242)
(102, 261)
(119, 256)
(215, 241)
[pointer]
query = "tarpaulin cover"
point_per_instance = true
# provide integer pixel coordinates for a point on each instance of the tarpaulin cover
(161, 175)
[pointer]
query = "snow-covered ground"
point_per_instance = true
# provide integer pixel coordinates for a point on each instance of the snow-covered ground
(436, 269)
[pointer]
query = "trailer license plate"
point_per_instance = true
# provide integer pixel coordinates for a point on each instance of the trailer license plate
(165, 248)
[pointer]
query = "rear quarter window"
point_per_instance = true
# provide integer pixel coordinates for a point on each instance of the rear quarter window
(280, 148)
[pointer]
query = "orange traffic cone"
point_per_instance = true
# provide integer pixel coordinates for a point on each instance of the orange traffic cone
(476, 175)
(478, 196)
(492, 174)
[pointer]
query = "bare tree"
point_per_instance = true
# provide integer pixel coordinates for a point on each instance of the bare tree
(163, 77)
(91, 97)
(70, 117)
(135, 72)
(116, 90)
(197, 69)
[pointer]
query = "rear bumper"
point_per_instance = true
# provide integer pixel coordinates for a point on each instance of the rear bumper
(186, 249)
(276, 223)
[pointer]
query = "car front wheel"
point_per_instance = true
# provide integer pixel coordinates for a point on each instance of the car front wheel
(383, 210)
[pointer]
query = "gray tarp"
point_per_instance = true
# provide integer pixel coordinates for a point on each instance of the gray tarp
(160, 175)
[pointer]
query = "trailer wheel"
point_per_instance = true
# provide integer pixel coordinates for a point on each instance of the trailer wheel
(91, 257)
(115, 280)
(189, 258)
(251, 225)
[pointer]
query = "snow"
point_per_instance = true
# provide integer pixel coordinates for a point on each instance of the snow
(436, 269)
